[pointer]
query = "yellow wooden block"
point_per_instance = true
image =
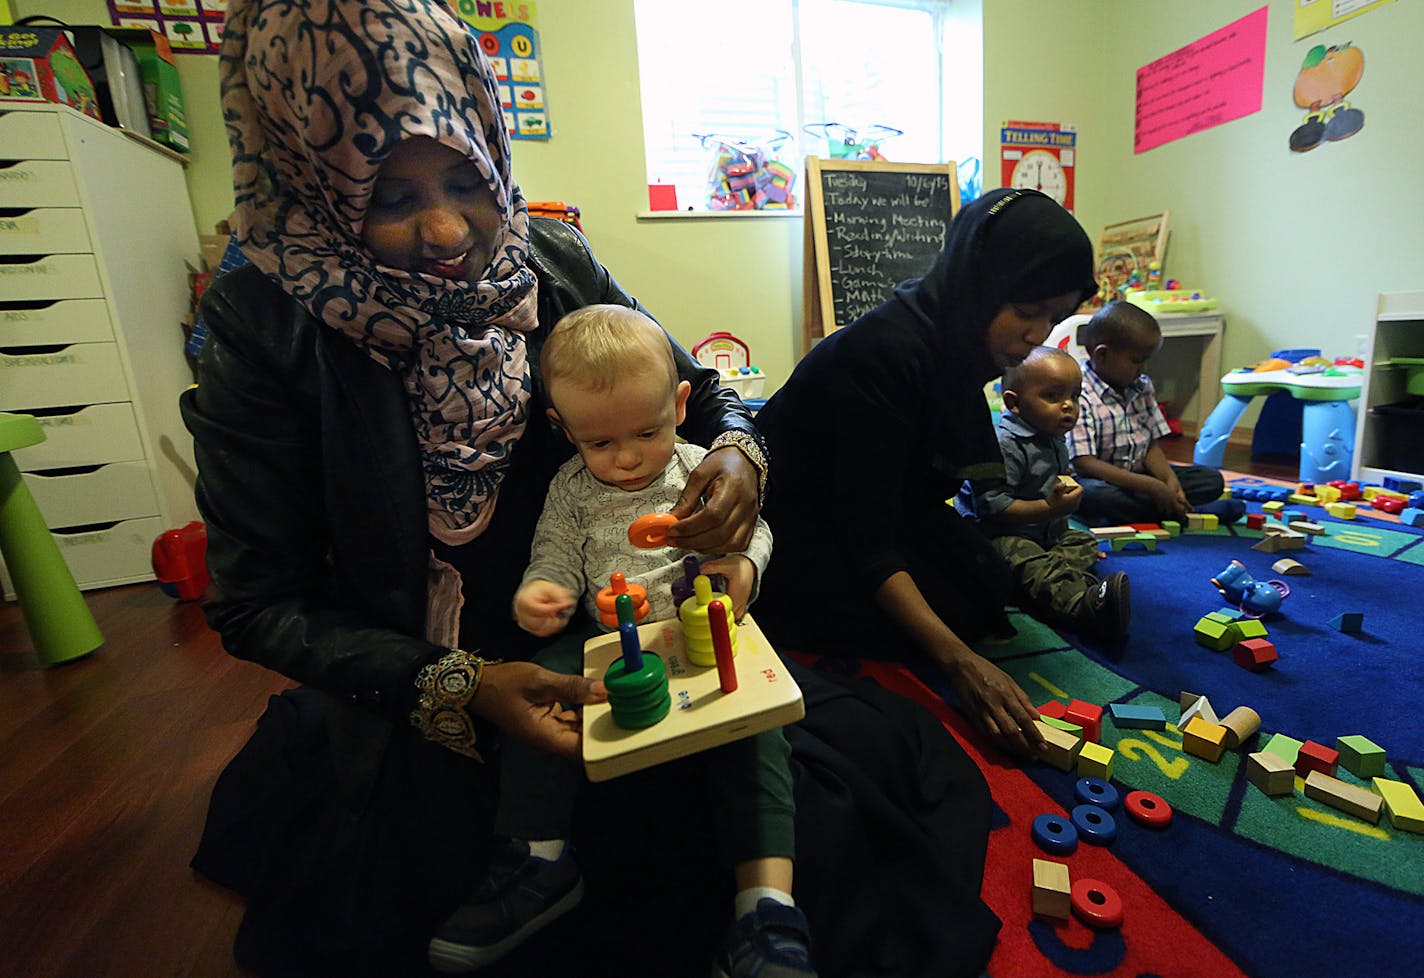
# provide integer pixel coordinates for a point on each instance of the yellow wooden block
(1274, 506)
(1341, 511)
(1371, 493)
(1343, 797)
(1052, 892)
(1405, 810)
(1061, 748)
(1209, 521)
(1203, 739)
(1303, 499)
(1095, 761)
(1068, 481)
(1327, 494)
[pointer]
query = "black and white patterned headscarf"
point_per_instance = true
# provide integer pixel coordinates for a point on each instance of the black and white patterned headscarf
(315, 95)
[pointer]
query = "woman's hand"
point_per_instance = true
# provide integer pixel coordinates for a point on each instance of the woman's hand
(740, 573)
(995, 703)
(725, 485)
(526, 701)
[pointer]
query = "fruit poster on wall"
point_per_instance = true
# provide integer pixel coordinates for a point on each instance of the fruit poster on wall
(191, 26)
(1040, 156)
(510, 40)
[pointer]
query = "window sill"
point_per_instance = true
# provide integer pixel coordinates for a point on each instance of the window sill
(714, 215)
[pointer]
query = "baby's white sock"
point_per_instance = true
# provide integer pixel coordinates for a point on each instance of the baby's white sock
(746, 900)
(547, 849)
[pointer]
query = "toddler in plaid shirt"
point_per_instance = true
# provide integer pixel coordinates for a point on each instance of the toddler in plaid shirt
(1125, 476)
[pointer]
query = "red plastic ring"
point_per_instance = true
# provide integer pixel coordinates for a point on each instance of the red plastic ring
(1096, 904)
(651, 530)
(1145, 808)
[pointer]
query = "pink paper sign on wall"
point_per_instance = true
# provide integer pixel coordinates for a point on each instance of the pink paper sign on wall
(1214, 80)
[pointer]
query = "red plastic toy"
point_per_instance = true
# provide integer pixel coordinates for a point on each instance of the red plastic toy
(180, 561)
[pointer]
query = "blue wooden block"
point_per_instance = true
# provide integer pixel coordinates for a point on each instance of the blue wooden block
(1416, 499)
(1412, 516)
(1348, 621)
(1401, 485)
(1231, 614)
(1138, 717)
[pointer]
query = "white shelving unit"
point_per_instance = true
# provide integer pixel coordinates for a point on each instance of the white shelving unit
(96, 231)
(1397, 333)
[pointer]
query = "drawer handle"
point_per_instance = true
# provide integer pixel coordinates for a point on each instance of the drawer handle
(85, 528)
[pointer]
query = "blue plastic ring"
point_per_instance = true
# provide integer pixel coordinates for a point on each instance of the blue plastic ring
(1094, 824)
(1054, 834)
(1096, 791)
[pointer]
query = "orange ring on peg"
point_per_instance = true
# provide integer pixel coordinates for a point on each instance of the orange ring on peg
(607, 600)
(651, 530)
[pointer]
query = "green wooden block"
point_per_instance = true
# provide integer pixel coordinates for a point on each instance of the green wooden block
(1220, 617)
(1251, 628)
(1361, 756)
(1286, 748)
(1215, 635)
(1063, 725)
(1172, 527)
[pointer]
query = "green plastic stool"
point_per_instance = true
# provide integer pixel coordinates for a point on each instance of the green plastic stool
(59, 621)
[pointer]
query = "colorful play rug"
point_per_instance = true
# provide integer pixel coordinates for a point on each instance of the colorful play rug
(1239, 882)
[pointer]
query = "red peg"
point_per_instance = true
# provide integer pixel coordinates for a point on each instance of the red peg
(722, 645)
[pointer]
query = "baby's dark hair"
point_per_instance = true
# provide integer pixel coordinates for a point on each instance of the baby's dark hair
(1031, 364)
(1117, 324)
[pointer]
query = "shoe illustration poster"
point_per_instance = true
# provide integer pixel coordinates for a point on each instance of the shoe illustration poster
(1326, 76)
(510, 40)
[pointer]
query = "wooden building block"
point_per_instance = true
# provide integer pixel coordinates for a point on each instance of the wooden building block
(1186, 699)
(1290, 540)
(1205, 740)
(1303, 499)
(1172, 527)
(1089, 716)
(1316, 757)
(1194, 522)
(1360, 756)
(1341, 511)
(1270, 773)
(1209, 521)
(1051, 889)
(1112, 532)
(1343, 797)
(1127, 716)
(1255, 654)
(1307, 527)
(1269, 544)
(1060, 747)
(1053, 708)
(1095, 761)
(1254, 521)
(1064, 725)
(1274, 506)
(1201, 707)
(1286, 748)
(1405, 810)
(1350, 622)
(1215, 635)
(1290, 568)
(1327, 494)
(1068, 482)
(1241, 725)
(1145, 540)
(1248, 628)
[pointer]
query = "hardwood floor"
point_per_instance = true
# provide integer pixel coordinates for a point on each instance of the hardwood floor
(106, 764)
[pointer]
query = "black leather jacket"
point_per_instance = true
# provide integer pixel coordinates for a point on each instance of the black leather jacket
(311, 488)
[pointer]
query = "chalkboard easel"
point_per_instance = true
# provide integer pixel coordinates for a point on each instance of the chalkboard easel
(870, 225)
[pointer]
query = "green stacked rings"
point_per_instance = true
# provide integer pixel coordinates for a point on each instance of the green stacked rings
(638, 699)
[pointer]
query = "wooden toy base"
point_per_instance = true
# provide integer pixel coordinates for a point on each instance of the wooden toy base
(702, 716)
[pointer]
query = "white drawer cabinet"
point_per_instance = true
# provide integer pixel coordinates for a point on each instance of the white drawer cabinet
(96, 235)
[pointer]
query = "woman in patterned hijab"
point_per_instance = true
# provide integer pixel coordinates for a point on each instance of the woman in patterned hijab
(398, 83)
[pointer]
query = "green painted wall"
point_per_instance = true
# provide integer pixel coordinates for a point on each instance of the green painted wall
(1296, 247)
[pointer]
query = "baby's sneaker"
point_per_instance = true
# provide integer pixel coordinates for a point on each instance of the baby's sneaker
(773, 941)
(1107, 609)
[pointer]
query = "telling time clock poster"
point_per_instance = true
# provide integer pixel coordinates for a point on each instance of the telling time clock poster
(1039, 156)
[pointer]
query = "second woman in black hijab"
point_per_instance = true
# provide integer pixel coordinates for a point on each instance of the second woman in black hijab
(876, 429)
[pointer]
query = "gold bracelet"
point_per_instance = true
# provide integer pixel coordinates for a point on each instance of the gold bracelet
(446, 688)
(751, 448)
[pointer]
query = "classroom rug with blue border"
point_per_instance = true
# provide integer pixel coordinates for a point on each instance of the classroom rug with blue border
(1239, 883)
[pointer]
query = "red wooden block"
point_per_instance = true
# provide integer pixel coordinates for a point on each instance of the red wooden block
(1254, 521)
(1255, 654)
(1088, 716)
(1316, 757)
(1388, 504)
(1053, 709)
(1349, 491)
(1144, 527)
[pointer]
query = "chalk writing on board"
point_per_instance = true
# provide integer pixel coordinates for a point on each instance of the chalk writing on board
(881, 229)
